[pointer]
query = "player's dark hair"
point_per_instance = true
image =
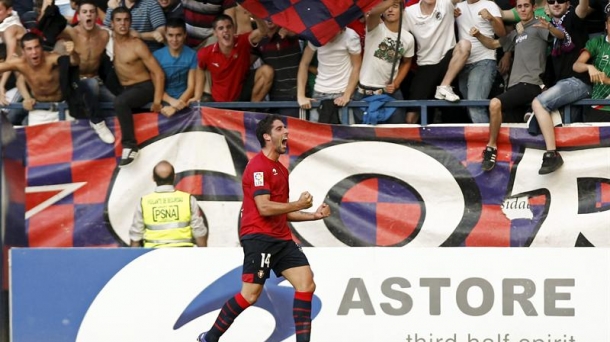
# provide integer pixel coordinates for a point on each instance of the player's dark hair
(264, 127)
(167, 180)
(221, 17)
(118, 10)
(30, 36)
(176, 23)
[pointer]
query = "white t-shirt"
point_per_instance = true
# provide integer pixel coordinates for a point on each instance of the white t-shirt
(379, 52)
(334, 62)
(9, 21)
(470, 18)
(433, 33)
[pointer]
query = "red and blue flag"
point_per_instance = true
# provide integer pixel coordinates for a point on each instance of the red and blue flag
(317, 21)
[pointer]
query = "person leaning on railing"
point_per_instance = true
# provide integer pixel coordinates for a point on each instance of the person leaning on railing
(596, 51)
(40, 71)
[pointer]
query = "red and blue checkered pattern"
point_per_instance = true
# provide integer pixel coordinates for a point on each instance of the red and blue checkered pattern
(370, 209)
(315, 20)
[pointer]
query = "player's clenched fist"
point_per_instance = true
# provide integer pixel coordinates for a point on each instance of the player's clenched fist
(306, 200)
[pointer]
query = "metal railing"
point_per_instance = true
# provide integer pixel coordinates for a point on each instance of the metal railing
(423, 105)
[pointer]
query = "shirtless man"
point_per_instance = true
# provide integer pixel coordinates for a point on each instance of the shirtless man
(90, 43)
(140, 75)
(11, 30)
(40, 71)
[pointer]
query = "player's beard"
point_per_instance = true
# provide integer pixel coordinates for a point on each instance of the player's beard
(281, 146)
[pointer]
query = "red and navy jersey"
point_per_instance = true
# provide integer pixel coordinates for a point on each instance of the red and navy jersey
(264, 176)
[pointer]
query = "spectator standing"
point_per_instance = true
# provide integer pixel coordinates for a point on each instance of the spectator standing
(228, 61)
(90, 43)
(571, 86)
(281, 50)
(381, 73)
(148, 20)
(265, 236)
(179, 63)
(439, 58)
(594, 60)
(183, 226)
(477, 76)
(339, 63)
(530, 47)
(140, 76)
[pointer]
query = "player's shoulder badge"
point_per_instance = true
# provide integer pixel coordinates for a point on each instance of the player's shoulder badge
(259, 179)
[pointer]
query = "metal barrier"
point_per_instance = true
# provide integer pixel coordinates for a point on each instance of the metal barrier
(422, 104)
(61, 107)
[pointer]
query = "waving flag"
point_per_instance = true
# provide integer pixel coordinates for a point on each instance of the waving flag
(315, 20)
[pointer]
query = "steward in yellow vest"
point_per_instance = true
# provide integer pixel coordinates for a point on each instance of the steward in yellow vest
(167, 217)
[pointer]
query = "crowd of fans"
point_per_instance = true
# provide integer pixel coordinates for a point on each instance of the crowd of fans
(530, 57)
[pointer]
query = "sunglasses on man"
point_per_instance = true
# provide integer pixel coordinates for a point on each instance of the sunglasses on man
(552, 2)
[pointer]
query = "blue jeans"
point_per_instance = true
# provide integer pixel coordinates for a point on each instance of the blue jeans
(475, 82)
(563, 93)
(95, 92)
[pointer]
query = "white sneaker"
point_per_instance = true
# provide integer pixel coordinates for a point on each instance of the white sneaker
(446, 93)
(103, 132)
(128, 156)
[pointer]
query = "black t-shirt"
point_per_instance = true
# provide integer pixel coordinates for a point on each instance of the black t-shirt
(565, 52)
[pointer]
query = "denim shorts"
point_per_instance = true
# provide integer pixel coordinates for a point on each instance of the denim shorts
(564, 92)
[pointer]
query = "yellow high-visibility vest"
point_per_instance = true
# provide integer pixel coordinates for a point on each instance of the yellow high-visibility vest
(167, 219)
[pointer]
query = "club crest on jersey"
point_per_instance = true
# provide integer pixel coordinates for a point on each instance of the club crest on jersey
(259, 179)
(260, 274)
(274, 172)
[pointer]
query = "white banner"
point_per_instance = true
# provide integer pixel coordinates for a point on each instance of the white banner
(367, 294)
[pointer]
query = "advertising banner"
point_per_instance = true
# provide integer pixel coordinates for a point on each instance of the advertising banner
(362, 294)
(406, 186)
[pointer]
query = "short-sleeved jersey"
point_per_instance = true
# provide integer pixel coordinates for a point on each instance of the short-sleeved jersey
(599, 48)
(264, 176)
(228, 72)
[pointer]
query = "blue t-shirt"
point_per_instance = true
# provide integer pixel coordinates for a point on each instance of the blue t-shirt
(176, 69)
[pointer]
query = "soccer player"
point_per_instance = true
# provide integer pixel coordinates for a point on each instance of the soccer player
(265, 237)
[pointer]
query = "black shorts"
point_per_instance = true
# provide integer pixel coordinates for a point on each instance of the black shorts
(261, 256)
(427, 78)
(520, 94)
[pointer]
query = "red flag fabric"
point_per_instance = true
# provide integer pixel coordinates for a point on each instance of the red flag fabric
(315, 20)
